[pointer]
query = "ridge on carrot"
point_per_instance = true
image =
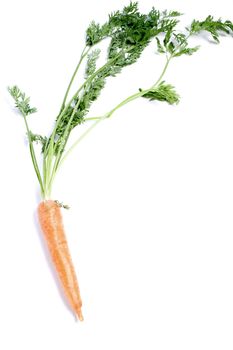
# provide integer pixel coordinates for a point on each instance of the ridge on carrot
(128, 33)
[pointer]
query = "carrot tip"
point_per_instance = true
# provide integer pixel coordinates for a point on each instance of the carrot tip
(80, 315)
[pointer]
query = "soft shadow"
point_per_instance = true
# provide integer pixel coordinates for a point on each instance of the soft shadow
(206, 36)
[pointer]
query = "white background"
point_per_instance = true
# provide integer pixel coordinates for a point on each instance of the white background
(150, 225)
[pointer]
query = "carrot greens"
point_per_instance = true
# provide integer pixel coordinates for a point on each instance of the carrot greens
(128, 32)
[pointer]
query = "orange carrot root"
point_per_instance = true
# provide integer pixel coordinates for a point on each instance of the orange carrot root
(50, 219)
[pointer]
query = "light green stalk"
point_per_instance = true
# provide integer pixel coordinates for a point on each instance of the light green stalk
(108, 115)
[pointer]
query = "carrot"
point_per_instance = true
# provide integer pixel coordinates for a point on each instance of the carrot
(50, 219)
(129, 33)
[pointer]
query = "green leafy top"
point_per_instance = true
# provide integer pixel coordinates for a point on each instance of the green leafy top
(91, 62)
(214, 27)
(22, 103)
(163, 92)
(129, 32)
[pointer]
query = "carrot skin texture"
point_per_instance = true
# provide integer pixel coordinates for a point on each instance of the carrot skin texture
(51, 223)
